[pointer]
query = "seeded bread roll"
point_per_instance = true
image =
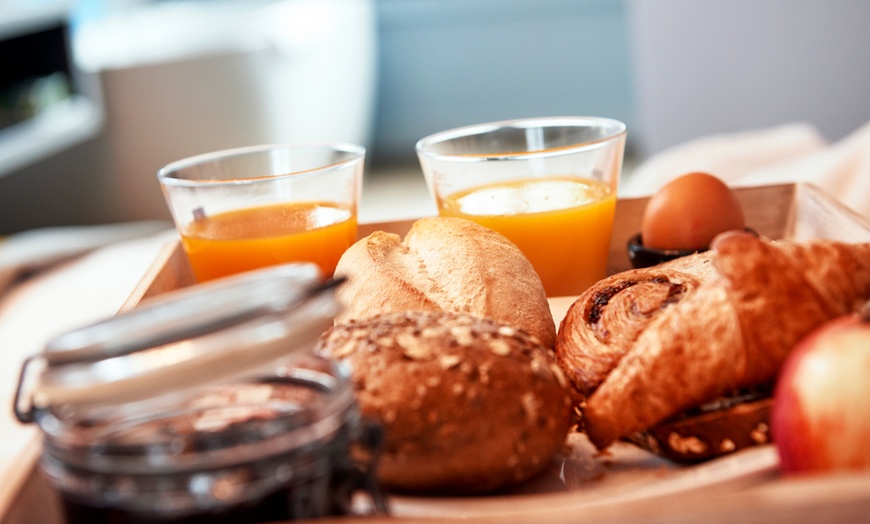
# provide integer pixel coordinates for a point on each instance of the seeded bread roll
(445, 264)
(468, 404)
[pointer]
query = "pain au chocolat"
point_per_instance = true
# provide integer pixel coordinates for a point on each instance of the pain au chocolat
(646, 345)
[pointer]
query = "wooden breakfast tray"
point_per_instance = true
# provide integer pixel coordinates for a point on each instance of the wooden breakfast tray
(628, 485)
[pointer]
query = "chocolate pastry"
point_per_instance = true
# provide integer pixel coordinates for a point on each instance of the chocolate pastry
(710, 328)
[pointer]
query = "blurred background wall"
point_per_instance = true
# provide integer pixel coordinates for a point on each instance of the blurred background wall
(167, 79)
(457, 62)
(702, 67)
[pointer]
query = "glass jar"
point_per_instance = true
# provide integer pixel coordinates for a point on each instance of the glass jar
(205, 406)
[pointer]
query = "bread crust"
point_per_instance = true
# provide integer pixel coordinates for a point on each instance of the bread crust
(445, 264)
(468, 404)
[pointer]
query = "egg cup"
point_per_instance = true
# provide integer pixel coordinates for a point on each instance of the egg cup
(642, 256)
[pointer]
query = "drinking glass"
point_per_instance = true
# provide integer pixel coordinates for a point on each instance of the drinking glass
(242, 209)
(547, 184)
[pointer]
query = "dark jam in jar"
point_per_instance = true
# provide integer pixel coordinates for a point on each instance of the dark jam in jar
(304, 498)
(260, 451)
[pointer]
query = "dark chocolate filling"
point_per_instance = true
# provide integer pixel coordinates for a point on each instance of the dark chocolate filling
(603, 297)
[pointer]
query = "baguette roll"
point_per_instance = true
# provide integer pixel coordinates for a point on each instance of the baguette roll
(445, 264)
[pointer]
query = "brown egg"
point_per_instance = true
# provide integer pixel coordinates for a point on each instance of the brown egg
(689, 211)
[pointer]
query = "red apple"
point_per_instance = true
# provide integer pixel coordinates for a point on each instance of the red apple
(820, 420)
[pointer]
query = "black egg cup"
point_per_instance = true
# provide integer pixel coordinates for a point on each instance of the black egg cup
(642, 256)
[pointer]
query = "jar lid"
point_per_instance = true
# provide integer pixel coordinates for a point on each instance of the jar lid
(206, 333)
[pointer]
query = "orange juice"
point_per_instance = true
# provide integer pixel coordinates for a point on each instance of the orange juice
(245, 239)
(563, 225)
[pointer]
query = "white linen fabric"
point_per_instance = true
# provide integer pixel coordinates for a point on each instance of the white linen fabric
(790, 153)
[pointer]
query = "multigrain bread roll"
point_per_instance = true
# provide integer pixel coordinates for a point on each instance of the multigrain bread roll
(468, 405)
(445, 264)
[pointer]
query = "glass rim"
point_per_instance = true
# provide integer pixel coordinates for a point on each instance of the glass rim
(165, 173)
(424, 145)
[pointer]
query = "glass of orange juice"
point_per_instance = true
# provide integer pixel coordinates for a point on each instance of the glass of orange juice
(247, 208)
(548, 184)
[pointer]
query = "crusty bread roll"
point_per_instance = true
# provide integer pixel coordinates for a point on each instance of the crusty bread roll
(468, 404)
(445, 264)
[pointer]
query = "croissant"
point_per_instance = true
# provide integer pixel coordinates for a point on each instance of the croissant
(684, 333)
